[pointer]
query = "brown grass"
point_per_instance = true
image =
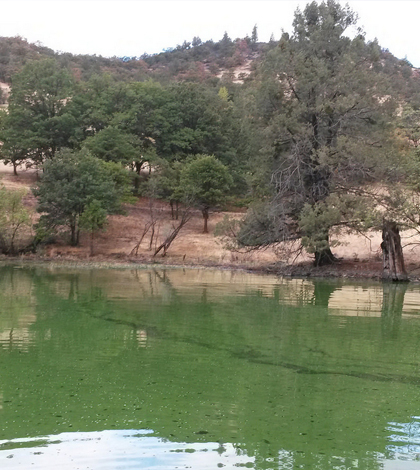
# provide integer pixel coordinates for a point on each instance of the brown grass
(361, 254)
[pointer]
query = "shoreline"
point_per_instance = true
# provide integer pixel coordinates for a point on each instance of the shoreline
(343, 269)
(359, 255)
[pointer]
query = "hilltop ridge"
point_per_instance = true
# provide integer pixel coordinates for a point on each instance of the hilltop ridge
(195, 61)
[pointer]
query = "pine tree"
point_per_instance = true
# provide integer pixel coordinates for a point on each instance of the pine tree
(326, 110)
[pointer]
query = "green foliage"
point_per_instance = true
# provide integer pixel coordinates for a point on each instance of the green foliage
(201, 123)
(315, 222)
(94, 217)
(71, 183)
(94, 103)
(402, 200)
(326, 130)
(38, 123)
(164, 183)
(15, 220)
(144, 114)
(223, 93)
(311, 125)
(15, 52)
(263, 224)
(205, 181)
(112, 144)
(254, 36)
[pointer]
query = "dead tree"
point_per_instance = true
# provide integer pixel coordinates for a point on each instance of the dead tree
(150, 226)
(186, 216)
(135, 250)
(393, 258)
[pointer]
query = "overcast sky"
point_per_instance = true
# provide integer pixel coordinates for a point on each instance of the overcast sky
(132, 27)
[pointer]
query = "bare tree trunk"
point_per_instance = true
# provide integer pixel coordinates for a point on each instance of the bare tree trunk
(154, 218)
(138, 166)
(186, 216)
(171, 203)
(135, 250)
(92, 235)
(73, 240)
(152, 235)
(324, 256)
(392, 253)
(206, 218)
(174, 209)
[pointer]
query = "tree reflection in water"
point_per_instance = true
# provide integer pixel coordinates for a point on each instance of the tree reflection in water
(260, 364)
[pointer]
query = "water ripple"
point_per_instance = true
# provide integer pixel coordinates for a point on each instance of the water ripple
(123, 449)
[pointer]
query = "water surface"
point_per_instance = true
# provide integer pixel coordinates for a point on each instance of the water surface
(119, 369)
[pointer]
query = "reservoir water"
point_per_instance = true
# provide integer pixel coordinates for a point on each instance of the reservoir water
(202, 369)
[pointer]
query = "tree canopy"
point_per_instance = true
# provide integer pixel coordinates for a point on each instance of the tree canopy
(71, 183)
(38, 123)
(327, 111)
(205, 182)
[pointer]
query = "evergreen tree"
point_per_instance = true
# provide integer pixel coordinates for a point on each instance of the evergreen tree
(326, 109)
(254, 36)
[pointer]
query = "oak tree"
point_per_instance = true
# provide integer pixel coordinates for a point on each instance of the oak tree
(71, 183)
(38, 123)
(205, 183)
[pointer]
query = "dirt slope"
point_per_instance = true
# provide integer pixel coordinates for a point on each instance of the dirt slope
(361, 255)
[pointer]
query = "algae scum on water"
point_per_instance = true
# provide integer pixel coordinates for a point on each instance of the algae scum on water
(204, 369)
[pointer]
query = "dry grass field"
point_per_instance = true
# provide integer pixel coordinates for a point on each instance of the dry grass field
(361, 255)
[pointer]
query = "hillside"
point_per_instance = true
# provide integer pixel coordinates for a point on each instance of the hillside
(360, 255)
(293, 133)
(193, 61)
(228, 60)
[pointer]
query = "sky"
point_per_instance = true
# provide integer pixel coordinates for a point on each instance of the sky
(133, 27)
